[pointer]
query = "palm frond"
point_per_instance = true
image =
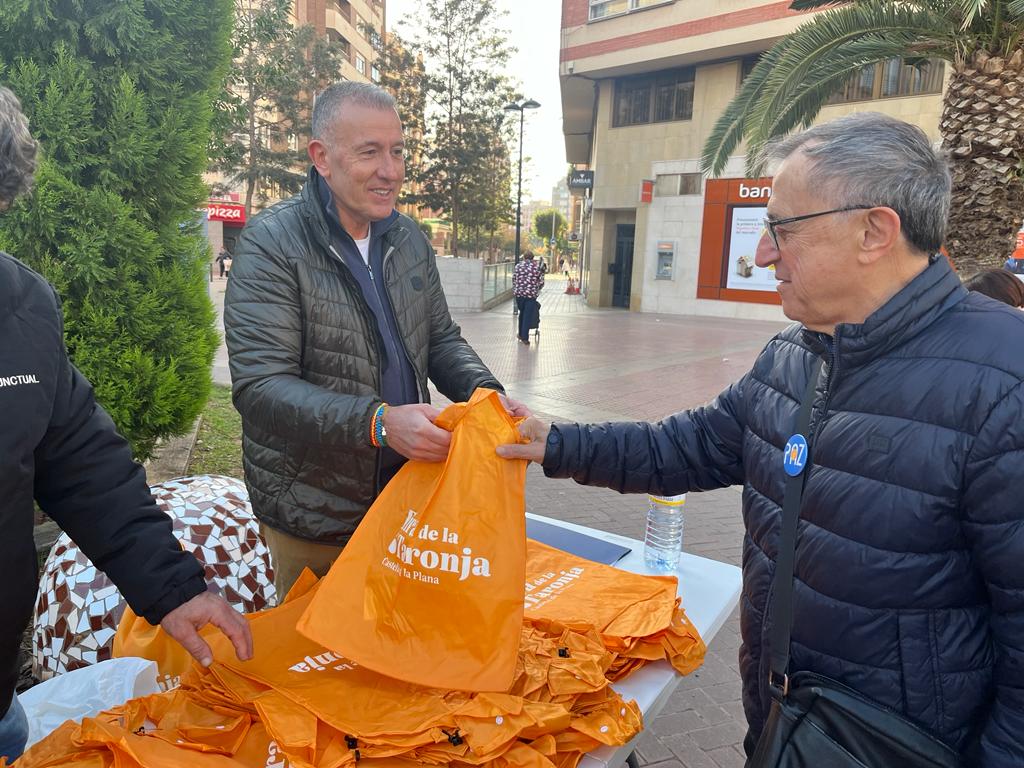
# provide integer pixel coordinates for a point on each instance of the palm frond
(971, 11)
(803, 70)
(825, 79)
(895, 26)
(1015, 9)
(811, 5)
(730, 126)
(938, 6)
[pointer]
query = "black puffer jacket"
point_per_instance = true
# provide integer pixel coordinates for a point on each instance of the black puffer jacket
(59, 447)
(305, 363)
(910, 556)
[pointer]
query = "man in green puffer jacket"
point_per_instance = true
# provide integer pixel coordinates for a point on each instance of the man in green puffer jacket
(335, 319)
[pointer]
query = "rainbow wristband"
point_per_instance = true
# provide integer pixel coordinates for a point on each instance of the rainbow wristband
(377, 436)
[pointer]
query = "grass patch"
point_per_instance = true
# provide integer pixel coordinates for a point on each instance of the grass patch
(218, 448)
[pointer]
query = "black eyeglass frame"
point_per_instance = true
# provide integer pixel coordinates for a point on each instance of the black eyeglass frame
(771, 224)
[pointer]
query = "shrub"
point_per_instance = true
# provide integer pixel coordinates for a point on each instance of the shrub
(119, 96)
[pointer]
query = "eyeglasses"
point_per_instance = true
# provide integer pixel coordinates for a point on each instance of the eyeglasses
(771, 224)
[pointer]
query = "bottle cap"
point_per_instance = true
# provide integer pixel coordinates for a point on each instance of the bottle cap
(668, 501)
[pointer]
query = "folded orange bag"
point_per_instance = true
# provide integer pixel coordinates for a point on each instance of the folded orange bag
(429, 589)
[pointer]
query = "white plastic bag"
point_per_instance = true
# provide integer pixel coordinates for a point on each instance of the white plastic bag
(85, 693)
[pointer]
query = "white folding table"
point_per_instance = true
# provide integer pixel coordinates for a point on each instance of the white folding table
(710, 591)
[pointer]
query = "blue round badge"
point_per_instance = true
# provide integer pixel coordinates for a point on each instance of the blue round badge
(794, 456)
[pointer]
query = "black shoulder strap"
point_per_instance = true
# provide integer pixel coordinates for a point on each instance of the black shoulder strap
(782, 583)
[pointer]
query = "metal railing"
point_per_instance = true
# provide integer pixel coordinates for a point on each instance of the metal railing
(497, 282)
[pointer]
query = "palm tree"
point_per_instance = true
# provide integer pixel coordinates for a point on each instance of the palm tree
(982, 123)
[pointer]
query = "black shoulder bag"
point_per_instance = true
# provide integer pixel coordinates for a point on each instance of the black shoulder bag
(816, 722)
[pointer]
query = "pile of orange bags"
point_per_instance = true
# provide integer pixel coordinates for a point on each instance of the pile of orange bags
(429, 592)
(639, 618)
(313, 708)
(298, 705)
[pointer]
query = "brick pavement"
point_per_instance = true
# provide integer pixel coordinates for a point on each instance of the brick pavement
(613, 365)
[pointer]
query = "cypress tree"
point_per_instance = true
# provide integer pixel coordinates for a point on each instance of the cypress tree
(119, 95)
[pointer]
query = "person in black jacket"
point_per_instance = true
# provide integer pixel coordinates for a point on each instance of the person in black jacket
(335, 319)
(908, 579)
(60, 448)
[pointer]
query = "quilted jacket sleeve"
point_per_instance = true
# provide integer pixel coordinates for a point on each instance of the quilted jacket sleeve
(87, 482)
(994, 522)
(694, 450)
(263, 331)
(453, 365)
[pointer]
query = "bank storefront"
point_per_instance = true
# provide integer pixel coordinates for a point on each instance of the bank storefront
(696, 242)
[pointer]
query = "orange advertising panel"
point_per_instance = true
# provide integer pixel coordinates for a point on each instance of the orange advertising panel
(734, 210)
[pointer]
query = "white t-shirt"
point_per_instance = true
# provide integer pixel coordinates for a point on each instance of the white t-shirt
(364, 249)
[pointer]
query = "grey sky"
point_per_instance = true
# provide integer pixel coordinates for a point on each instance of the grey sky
(533, 27)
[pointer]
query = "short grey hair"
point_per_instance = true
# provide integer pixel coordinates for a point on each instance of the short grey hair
(331, 101)
(868, 158)
(17, 150)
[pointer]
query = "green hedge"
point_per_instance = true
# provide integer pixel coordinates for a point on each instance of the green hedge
(119, 96)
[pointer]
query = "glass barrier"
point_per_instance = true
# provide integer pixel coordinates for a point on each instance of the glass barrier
(497, 279)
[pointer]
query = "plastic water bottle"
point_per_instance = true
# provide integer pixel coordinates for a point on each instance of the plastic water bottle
(663, 541)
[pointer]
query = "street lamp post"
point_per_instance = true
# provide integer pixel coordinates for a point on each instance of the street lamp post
(521, 109)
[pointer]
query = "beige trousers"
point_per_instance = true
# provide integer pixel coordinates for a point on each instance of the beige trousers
(290, 554)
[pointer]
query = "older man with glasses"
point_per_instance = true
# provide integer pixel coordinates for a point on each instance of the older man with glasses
(909, 538)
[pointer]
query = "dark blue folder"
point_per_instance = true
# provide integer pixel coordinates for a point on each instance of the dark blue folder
(575, 543)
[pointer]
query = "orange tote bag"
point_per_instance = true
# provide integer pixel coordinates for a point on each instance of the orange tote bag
(430, 588)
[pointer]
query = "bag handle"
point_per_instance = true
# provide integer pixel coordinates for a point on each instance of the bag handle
(782, 582)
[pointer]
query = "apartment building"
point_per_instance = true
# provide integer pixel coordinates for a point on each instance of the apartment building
(642, 83)
(561, 198)
(358, 25)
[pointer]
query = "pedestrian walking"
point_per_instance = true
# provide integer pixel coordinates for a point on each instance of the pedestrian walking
(904, 536)
(527, 281)
(221, 258)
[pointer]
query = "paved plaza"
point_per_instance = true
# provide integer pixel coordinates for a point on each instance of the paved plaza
(613, 365)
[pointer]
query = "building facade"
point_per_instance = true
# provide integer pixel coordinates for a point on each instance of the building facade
(561, 199)
(643, 83)
(357, 25)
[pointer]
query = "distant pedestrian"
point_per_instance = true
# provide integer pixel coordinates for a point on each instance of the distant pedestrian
(220, 261)
(527, 280)
(225, 265)
(998, 284)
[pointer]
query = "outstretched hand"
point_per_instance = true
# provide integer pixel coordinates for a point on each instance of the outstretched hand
(515, 408)
(536, 432)
(185, 621)
(411, 432)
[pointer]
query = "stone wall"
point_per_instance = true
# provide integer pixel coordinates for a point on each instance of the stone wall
(462, 280)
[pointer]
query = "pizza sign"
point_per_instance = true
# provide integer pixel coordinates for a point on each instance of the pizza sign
(229, 212)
